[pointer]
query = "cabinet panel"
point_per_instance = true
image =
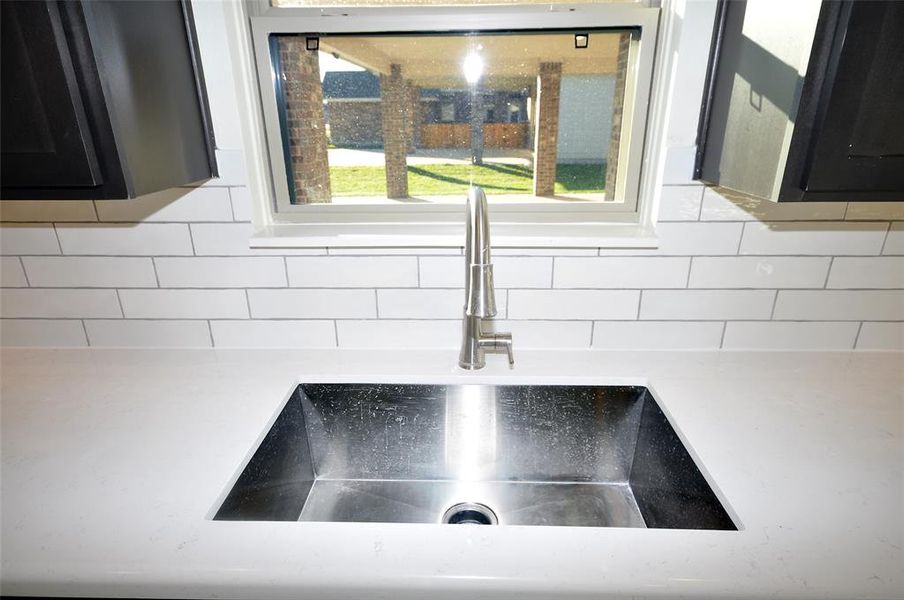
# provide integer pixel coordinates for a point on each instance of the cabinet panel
(46, 140)
(860, 145)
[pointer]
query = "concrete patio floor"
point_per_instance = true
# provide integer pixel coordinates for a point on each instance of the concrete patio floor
(355, 157)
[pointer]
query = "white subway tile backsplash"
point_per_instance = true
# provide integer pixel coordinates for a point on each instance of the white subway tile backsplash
(241, 203)
(148, 333)
(706, 304)
(894, 243)
(42, 332)
(312, 304)
(839, 238)
(11, 272)
(273, 334)
(508, 271)
(352, 271)
(426, 304)
(875, 211)
(758, 272)
(680, 202)
(881, 336)
(873, 272)
(58, 303)
(175, 204)
(231, 166)
(28, 239)
(221, 272)
(399, 334)
(573, 304)
(621, 272)
(544, 334)
(231, 239)
(153, 239)
(778, 335)
(657, 335)
(184, 304)
(41, 211)
(838, 305)
(689, 239)
(90, 271)
(720, 207)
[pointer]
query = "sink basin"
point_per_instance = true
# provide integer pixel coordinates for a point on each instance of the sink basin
(594, 456)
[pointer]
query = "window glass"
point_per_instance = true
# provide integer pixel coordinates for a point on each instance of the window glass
(530, 117)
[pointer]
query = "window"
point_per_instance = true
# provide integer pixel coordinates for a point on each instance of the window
(374, 111)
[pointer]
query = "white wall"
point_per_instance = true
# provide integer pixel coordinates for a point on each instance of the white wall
(585, 118)
(174, 269)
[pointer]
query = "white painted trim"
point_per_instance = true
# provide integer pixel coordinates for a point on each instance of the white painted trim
(573, 226)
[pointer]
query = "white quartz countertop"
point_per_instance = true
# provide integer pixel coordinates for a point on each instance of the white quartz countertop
(113, 462)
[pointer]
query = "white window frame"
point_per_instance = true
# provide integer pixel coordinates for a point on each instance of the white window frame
(441, 225)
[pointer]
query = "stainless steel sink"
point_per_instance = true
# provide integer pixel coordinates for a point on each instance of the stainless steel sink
(596, 456)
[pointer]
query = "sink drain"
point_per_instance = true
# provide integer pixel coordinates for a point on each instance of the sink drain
(469, 513)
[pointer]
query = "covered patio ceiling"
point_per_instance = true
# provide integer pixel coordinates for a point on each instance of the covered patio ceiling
(511, 61)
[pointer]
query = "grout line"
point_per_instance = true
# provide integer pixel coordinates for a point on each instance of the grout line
(690, 267)
(377, 303)
(552, 274)
(56, 234)
(24, 272)
(191, 238)
(825, 284)
(700, 210)
(210, 332)
(857, 337)
(418, 261)
(85, 329)
(507, 297)
(722, 339)
(336, 332)
(286, 269)
(774, 303)
(847, 206)
(96, 214)
(231, 205)
(885, 240)
(592, 332)
(741, 238)
(248, 303)
(119, 300)
(639, 302)
(154, 265)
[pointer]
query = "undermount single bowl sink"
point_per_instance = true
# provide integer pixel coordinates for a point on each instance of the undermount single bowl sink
(595, 456)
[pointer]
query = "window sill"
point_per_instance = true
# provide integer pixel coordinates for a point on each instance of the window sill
(446, 235)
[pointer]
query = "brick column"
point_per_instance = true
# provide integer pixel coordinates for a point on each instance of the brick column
(414, 116)
(618, 103)
(394, 104)
(546, 134)
(303, 95)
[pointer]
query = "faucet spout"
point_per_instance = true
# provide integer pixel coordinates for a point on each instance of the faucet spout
(480, 296)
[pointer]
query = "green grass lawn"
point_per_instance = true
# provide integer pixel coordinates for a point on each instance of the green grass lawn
(440, 180)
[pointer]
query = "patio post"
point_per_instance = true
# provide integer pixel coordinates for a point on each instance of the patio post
(394, 105)
(546, 132)
(303, 95)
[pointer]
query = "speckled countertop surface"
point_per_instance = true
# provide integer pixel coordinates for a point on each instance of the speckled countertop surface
(113, 462)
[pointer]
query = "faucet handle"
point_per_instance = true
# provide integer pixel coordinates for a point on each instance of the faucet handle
(500, 341)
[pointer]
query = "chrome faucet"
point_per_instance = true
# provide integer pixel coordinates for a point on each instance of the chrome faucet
(480, 297)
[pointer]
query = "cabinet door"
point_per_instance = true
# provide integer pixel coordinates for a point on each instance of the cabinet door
(45, 141)
(859, 147)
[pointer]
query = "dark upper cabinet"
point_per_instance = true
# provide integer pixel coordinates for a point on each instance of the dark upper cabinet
(806, 102)
(100, 99)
